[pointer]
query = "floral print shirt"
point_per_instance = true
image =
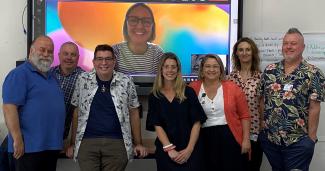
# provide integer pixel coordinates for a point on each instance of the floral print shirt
(124, 97)
(287, 99)
(250, 89)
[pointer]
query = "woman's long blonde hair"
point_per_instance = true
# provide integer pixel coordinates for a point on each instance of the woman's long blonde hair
(179, 85)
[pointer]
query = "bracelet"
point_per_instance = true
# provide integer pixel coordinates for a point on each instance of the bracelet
(169, 145)
(169, 148)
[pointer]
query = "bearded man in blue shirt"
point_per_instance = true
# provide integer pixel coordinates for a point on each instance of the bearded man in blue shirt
(33, 107)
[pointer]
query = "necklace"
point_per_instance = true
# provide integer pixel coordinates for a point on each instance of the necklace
(103, 86)
(103, 89)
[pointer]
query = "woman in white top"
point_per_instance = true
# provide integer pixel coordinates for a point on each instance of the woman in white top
(226, 131)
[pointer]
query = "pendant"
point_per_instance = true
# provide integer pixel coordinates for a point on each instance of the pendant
(103, 89)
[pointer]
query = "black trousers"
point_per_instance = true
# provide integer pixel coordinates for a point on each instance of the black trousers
(39, 161)
(221, 150)
(256, 156)
(6, 158)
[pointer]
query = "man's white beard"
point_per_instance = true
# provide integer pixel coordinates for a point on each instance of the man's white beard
(42, 65)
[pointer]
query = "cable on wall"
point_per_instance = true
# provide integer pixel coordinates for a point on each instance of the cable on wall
(22, 20)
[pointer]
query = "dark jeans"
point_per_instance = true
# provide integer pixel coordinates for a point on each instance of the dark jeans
(284, 158)
(256, 156)
(6, 158)
(39, 161)
(4, 161)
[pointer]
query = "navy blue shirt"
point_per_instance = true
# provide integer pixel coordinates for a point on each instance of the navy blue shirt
(103, 120)
(41, 110)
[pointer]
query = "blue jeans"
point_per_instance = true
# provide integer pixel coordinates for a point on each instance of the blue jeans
(284, 158)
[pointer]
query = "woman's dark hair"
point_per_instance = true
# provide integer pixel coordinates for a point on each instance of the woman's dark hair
(255, 55)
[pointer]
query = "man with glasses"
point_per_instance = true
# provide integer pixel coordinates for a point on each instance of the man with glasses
(137, 55)
(107, 116)
(33, 106)
(67, 73)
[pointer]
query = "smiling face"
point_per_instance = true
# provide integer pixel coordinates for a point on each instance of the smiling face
(170, 70)
(139, 25)
(292, 47)
(211, 69)
(104, 63)
(244, 52)
(41, 53)
(69, 56)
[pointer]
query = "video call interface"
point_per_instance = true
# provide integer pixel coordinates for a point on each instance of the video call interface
(188, 28)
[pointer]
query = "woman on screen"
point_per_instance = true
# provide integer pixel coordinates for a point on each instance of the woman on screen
(246, 74)
(226, 131)
(137, 55)
(176, 115)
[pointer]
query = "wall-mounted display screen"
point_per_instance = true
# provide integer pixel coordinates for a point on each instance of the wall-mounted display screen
(186, 28)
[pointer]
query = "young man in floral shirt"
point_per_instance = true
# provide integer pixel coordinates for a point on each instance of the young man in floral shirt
(291, 92)
(106, 123)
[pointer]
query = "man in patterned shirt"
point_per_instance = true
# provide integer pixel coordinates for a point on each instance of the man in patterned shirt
(67, 73)
(291, 93)
(107, 116)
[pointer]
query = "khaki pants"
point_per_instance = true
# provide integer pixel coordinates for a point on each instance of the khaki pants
(102, 154)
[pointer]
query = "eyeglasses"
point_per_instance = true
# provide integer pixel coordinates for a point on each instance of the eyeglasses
(172, 67)
(101, 59)
(211, 66)
(133, 21)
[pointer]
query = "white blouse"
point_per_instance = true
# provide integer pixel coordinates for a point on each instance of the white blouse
(213, 108)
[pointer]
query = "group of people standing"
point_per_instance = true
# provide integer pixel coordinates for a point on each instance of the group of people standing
(206, 125)
(241, 115)
(220, 122)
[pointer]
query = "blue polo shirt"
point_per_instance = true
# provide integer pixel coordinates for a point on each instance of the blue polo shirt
(41, 109)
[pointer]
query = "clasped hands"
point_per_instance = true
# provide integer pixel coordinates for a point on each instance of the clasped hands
(180, 157)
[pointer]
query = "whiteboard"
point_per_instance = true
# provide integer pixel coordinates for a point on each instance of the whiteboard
(270, 45)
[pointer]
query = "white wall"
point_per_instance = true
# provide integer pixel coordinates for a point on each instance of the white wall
(279, 16)
(259, 16)
(13, 42)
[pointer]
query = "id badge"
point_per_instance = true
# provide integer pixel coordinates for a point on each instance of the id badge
(253, 137)
(288, 87)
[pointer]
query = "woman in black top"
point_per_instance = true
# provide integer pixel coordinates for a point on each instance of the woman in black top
(175, 114)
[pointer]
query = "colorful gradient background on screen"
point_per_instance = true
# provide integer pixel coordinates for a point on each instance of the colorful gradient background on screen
(184, 29)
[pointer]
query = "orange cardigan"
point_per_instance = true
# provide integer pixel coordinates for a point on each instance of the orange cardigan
(235, 106)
